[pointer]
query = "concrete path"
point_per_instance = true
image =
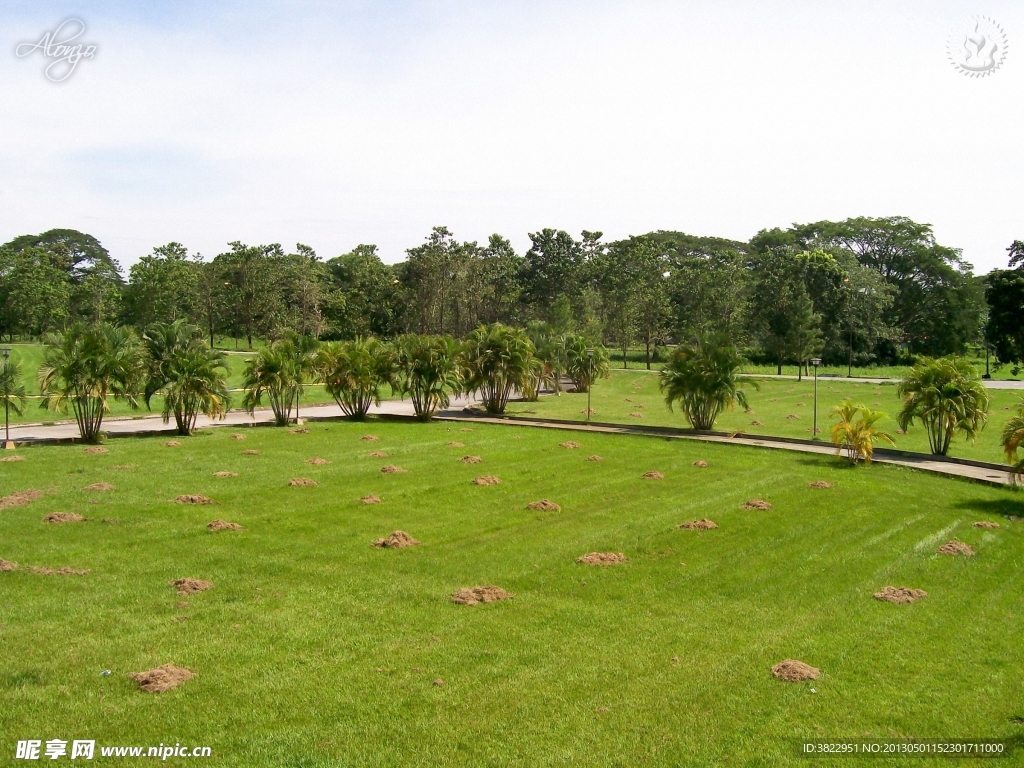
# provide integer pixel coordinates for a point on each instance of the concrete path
(989, 383)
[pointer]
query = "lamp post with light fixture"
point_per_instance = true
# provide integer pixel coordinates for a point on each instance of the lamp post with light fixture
(8, 445)
(590, 379)
(815, 361)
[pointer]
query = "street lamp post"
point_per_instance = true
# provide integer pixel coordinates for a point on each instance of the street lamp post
(590, 379)
(815, 361)
(8, 445)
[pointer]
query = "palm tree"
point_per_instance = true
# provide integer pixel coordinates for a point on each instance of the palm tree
(582, 368)
(856, 433)
(1012, 439)
(703, 378)
(305, 350)
(271, 371)
(497, 360)
(12, 392)
(354, 372)
(85, 366)
(947, 395)
(428, 370)
(547, 350)
(191, 376)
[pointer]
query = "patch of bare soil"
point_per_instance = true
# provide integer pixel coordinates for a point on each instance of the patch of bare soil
(397, 540)
(653, 475)
(955, 547)
(65, 571)
(223, 525)
(900, 594)
(792, 416)
(602, 558)
(95, 450)
(9, 459)
(570, 445)
(544, 505)
(700, 463)
(466, 429)
(487, 480)
(7, 565)
(63, 517)
(172, 444)
(800, 405)
(595, 457)
(820, 484)
(161, 679)
(470, 459)
(637, 415)
(250, 452)
(756, 504)
(110, 521)
(627, 400)
(192, 498)
(378, 455)
(125, 466)
(756, 423)
(302, 482)
(985, 524)
(238, 436)
(370, 438)
(316, 461)
(20, 498)
(371, 499)
(391, 469)
(99, 487)
(793, 671)
(586, 412)
(475, 595)
(225, 473)
(189, 586)
(699, 525)
(300, 431)
(455, 444)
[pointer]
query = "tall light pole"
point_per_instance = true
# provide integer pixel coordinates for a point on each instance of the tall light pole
(590, 379)
(8, 445)
(815, 361)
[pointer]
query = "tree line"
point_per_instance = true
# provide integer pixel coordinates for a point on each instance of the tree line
(859, 291)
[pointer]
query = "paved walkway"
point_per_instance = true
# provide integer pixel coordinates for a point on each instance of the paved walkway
(152, 424)
(989, 383)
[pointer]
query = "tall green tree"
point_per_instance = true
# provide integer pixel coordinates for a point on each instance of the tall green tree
(252, 283)
(35, 292)
(368, 297)
(1004, 293)
(163, 287)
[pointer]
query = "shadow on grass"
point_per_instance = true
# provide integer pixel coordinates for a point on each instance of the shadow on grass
(819, 461)
(1005, 507)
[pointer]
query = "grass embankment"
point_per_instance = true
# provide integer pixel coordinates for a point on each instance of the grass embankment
(616, 398)
(315, 649)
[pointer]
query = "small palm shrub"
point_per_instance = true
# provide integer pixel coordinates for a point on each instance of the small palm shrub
(703, 379)
(497, 360)
(856, 433)
(581, 368)
(354, 372)
(428, 371)
(946, 395)
(1012, 439)
(271, 372)
(12, 388)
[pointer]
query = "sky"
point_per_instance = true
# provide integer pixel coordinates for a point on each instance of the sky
(335, 124)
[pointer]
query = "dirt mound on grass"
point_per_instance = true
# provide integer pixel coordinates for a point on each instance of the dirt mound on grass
(99, 487)
(570, 445)
(125, 466)
(544, 505)
(470, 459)
(162, 678)
(302, 482)
(378, 455)
(637, 415)
(475, 595)
(820, 484)
(793, 671)
(466, 429)
(653, 475)
(20, 498)
(700, 463)
(7, 565)
(192, 498)
(602, 558)
(487, 480)
(955, 547)
(792, 416)
(225, 473)
(756, 504)
(250, 452)
(223, 525)
(900, 594)
(370, 438)
(302, 431)
(391, 469)
(397, 540)
(188, 586)
(95, 450)
(455, 444)
(172, 444)
(64, 571)
(316, 461)
(699, 525)
(8, 459)
(756, 423)
(371, 499)
(237, 436)
(985, 524)
(63, 517)
(595, 457)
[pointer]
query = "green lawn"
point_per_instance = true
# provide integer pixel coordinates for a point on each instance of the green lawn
(772, 404)
(315, 649)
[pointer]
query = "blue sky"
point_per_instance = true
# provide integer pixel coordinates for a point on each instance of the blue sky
(335, 124)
